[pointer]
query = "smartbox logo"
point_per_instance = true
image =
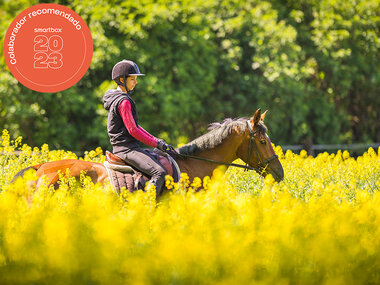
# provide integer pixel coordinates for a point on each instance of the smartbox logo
(48, 47)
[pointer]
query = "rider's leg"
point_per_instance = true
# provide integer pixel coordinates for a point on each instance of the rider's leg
(141, 160)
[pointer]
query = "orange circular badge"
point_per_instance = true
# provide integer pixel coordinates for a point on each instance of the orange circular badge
(48, 47)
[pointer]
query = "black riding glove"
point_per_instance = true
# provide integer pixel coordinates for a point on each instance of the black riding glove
(161, 145)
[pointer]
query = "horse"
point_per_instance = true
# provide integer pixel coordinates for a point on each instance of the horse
(244, 138)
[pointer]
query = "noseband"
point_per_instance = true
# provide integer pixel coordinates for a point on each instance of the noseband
(261, 163)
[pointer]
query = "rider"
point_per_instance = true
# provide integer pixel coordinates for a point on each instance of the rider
(123, 128)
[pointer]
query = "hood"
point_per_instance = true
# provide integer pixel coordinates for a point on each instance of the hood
(111, 96)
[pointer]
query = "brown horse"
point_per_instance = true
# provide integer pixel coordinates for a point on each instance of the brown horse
(246, 139)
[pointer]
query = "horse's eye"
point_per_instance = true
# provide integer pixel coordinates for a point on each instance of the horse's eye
(263, 141)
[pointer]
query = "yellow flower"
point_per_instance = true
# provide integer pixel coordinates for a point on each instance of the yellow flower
(241, 229)
(346, 155)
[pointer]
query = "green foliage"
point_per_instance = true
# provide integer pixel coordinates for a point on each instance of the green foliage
(313, 64)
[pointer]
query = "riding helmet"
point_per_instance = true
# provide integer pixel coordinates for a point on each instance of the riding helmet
(124, 69)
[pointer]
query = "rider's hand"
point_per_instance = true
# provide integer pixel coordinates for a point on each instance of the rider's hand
(161, 145)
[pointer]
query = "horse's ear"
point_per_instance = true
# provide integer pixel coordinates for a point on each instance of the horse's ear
(263, 115)
(256, 117)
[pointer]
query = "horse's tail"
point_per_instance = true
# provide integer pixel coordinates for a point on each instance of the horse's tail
(22, 171)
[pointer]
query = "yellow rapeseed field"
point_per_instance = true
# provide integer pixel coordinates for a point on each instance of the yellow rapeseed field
(320, 225)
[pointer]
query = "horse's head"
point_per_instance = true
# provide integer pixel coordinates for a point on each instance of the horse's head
(256, 148)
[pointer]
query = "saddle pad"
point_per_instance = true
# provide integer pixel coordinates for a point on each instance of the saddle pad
(117, 167)
(119, 180)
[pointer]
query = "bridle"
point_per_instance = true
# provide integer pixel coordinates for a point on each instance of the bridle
(262, 164)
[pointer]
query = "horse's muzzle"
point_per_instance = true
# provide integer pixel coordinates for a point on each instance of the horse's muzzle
(276, 170)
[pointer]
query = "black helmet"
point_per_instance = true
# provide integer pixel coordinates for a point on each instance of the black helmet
(123, 69)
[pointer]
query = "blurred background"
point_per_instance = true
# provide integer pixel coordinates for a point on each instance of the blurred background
(314, 64)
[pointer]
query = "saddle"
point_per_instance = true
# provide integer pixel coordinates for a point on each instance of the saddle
(121, 174)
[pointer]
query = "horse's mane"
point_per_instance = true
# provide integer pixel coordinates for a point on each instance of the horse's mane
(217, 133)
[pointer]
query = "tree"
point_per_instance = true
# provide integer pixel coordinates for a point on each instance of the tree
(313, 64)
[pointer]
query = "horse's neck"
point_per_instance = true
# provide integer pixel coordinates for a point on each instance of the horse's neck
(225, 152)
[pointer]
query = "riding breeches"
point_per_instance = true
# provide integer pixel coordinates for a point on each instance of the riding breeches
(147, 164)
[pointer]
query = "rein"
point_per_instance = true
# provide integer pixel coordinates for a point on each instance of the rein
(263, 164)
(247, 167)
